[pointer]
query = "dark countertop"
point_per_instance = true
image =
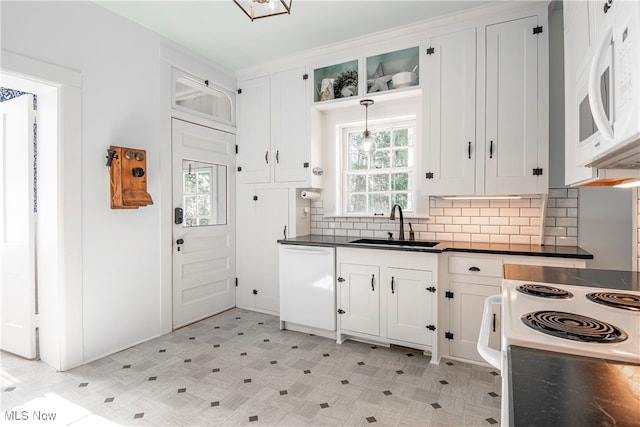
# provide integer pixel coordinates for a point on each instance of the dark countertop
(555, 389)
(487, 248)
(610, 279)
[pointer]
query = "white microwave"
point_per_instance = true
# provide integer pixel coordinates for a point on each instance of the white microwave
(608, 94)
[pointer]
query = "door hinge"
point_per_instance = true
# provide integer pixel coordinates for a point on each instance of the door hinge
(255, 292)
(305, 165)
(239, 91)
(431, 289)
(236, 148)
(255, 198)
(428, 175)
(448, 294)
(431, 327)
(537, 30)
(341, 311)
(537, 171)
(340, 279)
(431, 50)
(448, 335)
(239, 168)
(236, 282)
(305, 76)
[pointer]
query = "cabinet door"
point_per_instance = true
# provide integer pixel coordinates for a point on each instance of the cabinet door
(465, 317)
(451, 115)
(289, 125)
(410, 306)
(272, 215)
(254, 131)
(512, 117)
(359, 298)
(263, 214)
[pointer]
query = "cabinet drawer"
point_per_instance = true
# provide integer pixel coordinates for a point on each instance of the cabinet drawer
(475, 266)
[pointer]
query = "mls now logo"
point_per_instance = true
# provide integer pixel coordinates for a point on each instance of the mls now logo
(26, 415)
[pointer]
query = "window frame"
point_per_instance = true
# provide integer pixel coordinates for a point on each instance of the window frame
(390, 123)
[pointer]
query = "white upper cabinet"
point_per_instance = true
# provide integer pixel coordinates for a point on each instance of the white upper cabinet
(516, 134)
(273, 141)
(289, 133)
(254, 131)
(486, 110)
(450, 100)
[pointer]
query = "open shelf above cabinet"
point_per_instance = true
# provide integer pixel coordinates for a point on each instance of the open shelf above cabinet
(336, 81)
(392, 70)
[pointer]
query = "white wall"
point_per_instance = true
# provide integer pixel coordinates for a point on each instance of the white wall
(121, 68)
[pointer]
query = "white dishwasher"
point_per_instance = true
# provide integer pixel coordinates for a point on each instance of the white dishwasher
(307, 286)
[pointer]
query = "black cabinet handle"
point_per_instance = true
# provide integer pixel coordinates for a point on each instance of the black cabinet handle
(285, 232)
(491, 149)
(469, 149)
(373, 278)
(392, 279)
(277, 156)
(474, 268)
(266, 157)
(494, 322)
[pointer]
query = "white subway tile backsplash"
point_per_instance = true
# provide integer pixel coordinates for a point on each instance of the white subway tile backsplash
(498, 221)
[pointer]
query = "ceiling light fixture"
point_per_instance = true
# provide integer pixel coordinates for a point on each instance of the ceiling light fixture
(256, 9)
(366, 145)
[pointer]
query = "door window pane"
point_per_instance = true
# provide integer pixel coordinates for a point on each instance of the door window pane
(204, 193)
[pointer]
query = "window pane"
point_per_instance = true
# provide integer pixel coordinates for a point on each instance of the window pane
(401, 199)
(401, 158)
(400, 137)
(190, 183)
(357, 203)
(190, 206)
(204, 182)
(356, 183)
(382, 138)
(354, 139)
(401, 181)
(379, 203)
(357, 162)
(204, 205)
(380, 159)
(379, 182)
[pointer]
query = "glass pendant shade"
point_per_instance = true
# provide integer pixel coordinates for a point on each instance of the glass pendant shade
(366, 145)
(256, 9)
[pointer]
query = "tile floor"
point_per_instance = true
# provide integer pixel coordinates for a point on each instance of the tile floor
(238, 368)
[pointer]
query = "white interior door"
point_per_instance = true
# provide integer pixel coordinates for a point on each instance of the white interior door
(203, 239)
(17, 227)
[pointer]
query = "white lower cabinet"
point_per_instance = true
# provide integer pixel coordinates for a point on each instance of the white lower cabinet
(466, 280)
(388, 297)
(264, 214)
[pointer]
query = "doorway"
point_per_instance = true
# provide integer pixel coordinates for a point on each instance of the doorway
(57, 235)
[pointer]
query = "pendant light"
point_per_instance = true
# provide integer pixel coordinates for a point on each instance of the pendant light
(256, 9)
(366, 145)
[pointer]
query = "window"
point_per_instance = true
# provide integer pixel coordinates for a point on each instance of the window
(204, 190)
(372, 184)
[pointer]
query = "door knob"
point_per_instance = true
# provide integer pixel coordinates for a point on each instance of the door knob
(180, 241)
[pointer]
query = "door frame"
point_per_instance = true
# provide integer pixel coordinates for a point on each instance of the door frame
(59, 235)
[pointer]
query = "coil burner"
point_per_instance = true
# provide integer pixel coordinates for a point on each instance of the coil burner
(544, 291)
(616, 300)
(573, 327)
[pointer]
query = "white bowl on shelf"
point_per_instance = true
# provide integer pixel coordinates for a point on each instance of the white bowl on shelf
(404, 79)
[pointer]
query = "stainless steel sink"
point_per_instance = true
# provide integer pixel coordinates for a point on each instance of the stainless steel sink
(386, 242)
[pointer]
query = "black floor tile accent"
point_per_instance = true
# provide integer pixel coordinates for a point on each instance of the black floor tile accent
(371, 419)
(216, 403)
(387, 392)
(109, 399)
(253, 418)
(274, 362)
(436, 405)
(187, 360)
(283, 392)
(360, 363)
(399, 372)
(243, 354)
(491, 421)
(9, 389)
(162, 350)
(138, 415)
(326, 355)
(294, 346)
(192, 338)
(409, 354)
(153, 378)
(182, 390)
(83, 384)
(493, 394)
(306, 371)
(216, 345)
(324, 405)
(443, 382)
(247, 380)
(215, 370)
(494, 373)
(126, 366)
(450, 363)
(267, 340)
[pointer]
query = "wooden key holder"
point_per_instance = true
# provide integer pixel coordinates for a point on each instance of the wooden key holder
(128, 171)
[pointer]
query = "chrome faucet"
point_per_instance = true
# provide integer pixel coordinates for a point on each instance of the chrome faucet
(392, 217)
